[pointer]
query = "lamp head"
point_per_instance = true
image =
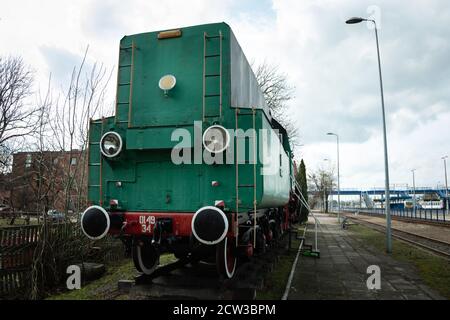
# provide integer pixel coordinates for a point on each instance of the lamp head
(355, 20)
(167, 83)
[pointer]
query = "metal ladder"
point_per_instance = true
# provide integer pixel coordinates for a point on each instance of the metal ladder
(238, 185)
(206, 96)
(125, 103)
(96, 164)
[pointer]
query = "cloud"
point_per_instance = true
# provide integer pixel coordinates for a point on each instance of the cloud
(333, 66)
(105, 19)
(61, 62)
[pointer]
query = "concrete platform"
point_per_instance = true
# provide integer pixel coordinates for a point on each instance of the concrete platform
(341, 271)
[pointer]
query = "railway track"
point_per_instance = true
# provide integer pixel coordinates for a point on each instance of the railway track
(435, 246)
(181, 280)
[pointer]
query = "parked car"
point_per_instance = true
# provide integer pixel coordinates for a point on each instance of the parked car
(4, 207)
(55, 216)
(4, 210)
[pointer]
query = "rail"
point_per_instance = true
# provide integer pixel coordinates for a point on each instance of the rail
(305, 203)
(433, 245)
(294, 266)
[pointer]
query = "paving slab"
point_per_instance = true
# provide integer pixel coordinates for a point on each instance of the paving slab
(341, 270)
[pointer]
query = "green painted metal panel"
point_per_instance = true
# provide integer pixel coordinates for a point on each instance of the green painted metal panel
(153, 183)
(276, 177)
(153, 138)
(182, 57)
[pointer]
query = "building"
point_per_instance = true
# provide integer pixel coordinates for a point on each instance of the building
(40, 181)
(5, 193)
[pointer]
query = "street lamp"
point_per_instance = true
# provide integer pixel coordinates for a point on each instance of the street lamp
(386, 165)
(414, 192)
(446, 185)
(324, 190)
(339, 187)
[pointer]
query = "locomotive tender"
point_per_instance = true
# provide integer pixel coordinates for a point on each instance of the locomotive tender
(189, 94)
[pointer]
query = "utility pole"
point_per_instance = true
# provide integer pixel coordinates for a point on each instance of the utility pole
(338, 176)
(414, 192)
(446, 185)
(386, 162)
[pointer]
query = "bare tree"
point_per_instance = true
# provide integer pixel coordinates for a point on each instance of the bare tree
(56, 177)
(277, 92)
(6, 151)
(45, 173)
(322, 183)
(16, 119)
(83, 99)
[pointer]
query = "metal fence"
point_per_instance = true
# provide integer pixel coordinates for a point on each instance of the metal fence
(435, 215)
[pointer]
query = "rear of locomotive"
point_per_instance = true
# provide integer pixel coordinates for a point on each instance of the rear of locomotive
(150, 180)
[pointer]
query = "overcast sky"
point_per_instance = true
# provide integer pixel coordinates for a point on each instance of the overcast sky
(332, 65)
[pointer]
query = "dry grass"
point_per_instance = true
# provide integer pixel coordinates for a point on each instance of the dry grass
(434, 270)
(105, 288)
(275, 282)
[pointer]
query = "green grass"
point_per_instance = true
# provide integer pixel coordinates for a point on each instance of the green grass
(17, 222)
(105, 288)
(4, 222)
(275, 282)
(434, 270)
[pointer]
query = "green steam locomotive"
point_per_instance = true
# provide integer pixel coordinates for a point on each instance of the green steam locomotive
(192, 162)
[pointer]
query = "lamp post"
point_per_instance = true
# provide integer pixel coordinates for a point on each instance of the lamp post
(324, 190)
(446, 185)
(414, 192)
(386, 165)
(338, 176)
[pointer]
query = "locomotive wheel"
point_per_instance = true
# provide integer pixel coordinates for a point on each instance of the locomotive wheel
(276, 230)
(226, 257)
(145, 258)
(261, 243)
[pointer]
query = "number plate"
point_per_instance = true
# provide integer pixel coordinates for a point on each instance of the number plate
(146, 223)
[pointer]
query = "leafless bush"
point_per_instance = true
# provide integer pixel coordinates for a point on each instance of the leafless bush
(322, 182)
